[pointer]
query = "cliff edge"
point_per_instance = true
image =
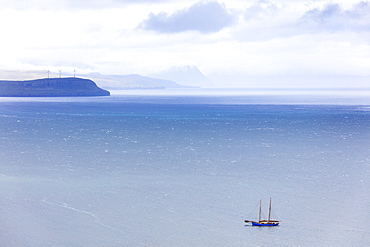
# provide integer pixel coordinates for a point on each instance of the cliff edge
(51, 87)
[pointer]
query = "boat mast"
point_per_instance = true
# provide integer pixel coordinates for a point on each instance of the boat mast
(260, 212)
(269, 215)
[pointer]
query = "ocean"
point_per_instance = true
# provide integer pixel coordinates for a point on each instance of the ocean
(163, 168)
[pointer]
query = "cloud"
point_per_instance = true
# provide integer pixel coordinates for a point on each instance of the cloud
(57, 5)
(203, 17)
(267, 20)
(261, 8)
(334, 18)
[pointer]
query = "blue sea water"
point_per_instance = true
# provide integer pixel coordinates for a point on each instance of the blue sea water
(184, 170)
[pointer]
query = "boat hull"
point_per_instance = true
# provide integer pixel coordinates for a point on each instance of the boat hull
(264, 224)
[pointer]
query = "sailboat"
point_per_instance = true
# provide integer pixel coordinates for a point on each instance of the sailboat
(261, 222)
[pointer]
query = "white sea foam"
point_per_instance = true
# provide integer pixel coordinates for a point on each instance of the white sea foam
(67, 206)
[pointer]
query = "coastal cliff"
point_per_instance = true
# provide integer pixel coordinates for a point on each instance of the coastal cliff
(51, 87)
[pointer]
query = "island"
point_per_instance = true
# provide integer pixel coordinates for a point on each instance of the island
(51, 87)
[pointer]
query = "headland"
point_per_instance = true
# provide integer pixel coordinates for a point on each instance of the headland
(51, 87)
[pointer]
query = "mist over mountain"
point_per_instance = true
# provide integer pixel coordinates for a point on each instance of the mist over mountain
(293, 81)
(186, 75)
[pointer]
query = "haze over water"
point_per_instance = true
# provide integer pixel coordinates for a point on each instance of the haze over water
(185, 170)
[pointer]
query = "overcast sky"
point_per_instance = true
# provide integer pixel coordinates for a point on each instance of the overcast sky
(221, 38)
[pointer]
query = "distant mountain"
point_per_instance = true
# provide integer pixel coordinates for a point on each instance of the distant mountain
(53, 87)
(109, 82)
(186, 75)
(117, 82)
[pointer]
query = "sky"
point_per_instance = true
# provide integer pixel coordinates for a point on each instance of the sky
(226, 40)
